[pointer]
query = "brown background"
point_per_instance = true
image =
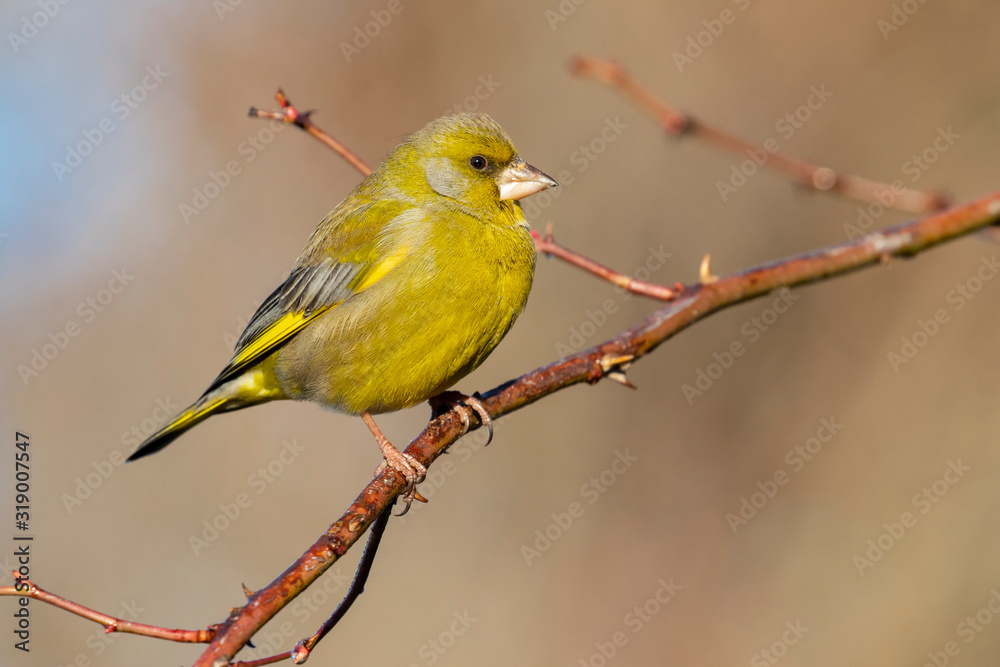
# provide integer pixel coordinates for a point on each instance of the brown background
(165, 335)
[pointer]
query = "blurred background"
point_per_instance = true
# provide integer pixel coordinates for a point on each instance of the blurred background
(764, 519)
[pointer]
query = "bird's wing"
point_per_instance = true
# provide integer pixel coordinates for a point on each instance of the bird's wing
(347, 254)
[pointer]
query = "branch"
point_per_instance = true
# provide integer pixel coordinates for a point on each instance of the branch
(301, 119)
(609, 359)
(110, 623)
(677, 123)
(547, 245)
(301, 652)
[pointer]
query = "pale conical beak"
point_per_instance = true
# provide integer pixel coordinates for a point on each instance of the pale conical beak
(520, 179)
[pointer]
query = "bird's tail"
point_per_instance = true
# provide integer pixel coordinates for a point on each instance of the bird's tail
(204, 407)
(253, 386)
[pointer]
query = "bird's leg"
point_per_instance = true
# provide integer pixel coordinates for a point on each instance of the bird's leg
(409, 467)
(448, 399)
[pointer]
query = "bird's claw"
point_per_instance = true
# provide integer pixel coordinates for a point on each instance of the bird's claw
(450, 399)
(412, 470)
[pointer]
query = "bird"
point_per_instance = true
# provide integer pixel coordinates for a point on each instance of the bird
(401, 291)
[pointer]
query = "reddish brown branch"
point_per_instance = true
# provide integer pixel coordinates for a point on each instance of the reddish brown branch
(269, 660)
(609, 359)
(547, 245)
(677, 123)
(301, 652)
(302, 649)
(289, 114)
(693, 304)
(110, 623)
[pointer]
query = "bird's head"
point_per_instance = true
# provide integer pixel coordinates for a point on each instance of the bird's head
(468, 159)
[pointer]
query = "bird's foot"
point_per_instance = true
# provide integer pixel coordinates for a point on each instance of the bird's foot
(412, 470)
(450, 399)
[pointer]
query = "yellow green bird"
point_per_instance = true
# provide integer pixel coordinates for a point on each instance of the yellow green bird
(402, 290)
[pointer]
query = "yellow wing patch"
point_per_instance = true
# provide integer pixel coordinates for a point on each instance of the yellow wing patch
(290, 323)
(270, 338)
(380, 270)
(274, 335)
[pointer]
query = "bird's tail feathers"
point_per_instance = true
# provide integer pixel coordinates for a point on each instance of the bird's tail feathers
(203, 408)
(254, 386)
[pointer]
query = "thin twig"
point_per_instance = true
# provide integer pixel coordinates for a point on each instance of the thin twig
(269, 660)
(677, 123)
(25, 588)
(302, 649)
(547, 244)
(289, 114)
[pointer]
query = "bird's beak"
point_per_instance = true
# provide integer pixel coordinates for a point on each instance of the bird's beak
(520, 179)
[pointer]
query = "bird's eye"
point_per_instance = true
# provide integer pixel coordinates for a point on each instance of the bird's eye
(477, 162)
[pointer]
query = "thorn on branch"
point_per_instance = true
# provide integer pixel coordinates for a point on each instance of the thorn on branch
(613, 367)
(705, 274)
